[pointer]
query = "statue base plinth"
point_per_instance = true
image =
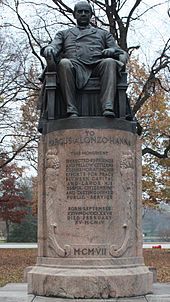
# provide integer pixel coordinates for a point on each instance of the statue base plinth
(90, 236)
(103, 283)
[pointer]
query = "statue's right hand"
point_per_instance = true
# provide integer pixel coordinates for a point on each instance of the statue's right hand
(48, 52)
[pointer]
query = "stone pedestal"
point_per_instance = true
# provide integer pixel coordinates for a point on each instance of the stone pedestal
(90, 237)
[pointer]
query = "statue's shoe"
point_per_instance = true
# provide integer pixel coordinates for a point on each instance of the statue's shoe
(108, 113)
(73, 115)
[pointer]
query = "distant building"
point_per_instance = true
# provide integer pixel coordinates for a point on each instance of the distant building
(156, 225)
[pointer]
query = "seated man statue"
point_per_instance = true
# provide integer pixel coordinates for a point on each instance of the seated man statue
(86, 51)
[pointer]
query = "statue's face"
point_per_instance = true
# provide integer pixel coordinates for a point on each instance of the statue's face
(82, 14)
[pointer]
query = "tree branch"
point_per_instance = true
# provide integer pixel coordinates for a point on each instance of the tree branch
(160, 63)
(148, 9)
(16, 153)
(131, 13)
(155, 153)
(64, 9)
(29, 35)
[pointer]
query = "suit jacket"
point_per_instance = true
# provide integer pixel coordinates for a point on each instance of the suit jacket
(84, 48)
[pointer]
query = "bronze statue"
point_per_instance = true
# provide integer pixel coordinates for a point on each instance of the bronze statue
(86, 51)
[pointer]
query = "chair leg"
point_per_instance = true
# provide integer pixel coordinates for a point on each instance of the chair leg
(122, 102)
(51, 93)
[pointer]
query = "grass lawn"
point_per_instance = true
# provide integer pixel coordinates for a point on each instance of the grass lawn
(14, 261)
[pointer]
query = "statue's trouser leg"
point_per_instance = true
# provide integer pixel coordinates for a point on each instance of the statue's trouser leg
(66, 76)
(106, 70)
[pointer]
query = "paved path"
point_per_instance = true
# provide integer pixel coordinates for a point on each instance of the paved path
(17, 292)
(18, 245)
(148, 245)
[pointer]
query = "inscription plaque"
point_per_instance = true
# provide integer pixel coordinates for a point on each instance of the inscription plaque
(90, 251)
(89, 178)
(89, 215)
(92, 211)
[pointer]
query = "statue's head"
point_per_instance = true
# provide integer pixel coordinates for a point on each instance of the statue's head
(82, 13)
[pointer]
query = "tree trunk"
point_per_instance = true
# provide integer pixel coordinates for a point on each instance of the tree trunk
(7, 230)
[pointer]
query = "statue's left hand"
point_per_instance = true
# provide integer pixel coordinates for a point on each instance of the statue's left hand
(108, 53)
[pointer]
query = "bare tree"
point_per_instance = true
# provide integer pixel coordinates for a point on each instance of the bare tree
(15, 82)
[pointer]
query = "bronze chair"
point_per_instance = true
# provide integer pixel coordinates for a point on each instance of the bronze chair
(53, 107)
